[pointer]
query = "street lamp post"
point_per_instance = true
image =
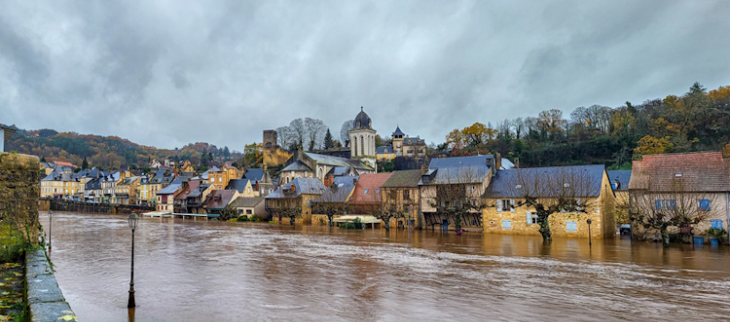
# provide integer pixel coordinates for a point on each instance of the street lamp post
(589, 233)
(133, 219)
(50, 230)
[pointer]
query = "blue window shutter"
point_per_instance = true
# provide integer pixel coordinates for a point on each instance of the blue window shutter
(672, 203)
(529, 218)
(571, 226)
(506, 224)
(658, 204)
(705, 204)
(499, 205)
(716, 224)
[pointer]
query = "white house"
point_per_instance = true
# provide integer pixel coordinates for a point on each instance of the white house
(5, 134)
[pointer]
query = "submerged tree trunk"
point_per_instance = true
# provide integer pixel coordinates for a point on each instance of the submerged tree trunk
(665, 237)
(386, 224)
(545, 230)
(291, 220)
(457, 222)
(329, 217)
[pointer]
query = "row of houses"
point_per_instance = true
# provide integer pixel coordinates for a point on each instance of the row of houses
(503, 199)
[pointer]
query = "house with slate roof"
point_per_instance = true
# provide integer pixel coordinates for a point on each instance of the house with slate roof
(401, 192)
(219, 177)
(166, 197)
(249, 206)
(217, 200)
(620, 184)
(126, 191)
(60, 184)
(311, 165)
(694, 184)
(471, 174)
(299, 192)
(506, 213)
(338, 193)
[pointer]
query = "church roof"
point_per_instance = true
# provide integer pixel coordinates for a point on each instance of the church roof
(362, 121)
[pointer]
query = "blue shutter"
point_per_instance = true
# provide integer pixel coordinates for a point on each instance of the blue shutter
(506, 224)
(672, 203)
(705, 204)
(499, 205)
(571, 226)
(658, 204)
(716, 224)
(529, 218)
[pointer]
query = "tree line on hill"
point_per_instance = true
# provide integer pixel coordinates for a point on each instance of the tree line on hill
(695, 121)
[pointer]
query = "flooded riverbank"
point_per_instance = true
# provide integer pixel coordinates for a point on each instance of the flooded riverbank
(212, 271)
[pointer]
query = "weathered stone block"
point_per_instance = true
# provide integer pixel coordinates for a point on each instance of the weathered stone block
(50, 312)
(43, 289)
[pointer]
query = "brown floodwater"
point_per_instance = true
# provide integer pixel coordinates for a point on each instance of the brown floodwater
(212, 271)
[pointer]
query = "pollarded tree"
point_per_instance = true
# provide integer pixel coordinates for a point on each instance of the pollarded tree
(553, 190)
(315, 132)
(456, 192)
(332, 202)
(678, 206)
(345, 132)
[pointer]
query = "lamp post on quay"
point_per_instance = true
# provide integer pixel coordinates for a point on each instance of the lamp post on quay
(133, 219)
(50, 230)
(589, 233)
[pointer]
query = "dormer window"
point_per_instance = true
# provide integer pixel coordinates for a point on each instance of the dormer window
(678, 175)
(366, 191)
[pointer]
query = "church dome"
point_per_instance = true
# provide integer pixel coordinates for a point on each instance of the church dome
(362, 121)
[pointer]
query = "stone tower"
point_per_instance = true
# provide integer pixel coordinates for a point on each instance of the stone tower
(270, 138)
(362, 136)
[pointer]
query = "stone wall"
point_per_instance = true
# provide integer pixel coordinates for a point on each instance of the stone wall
(80, 206)
(19, 192)
(45, 300)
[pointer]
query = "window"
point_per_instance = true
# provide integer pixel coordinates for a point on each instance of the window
(240, 211)
(377, 191)
(716, 224)
(366, 191)
(406, 195)
(704, 204)
(248, 211)
(506, 205)
(571, 226)
(531, 218)
(506, 224)
(665, 204)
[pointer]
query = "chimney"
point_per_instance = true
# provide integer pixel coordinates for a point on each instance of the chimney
(424, 168)
(726, 151)
(354, 181)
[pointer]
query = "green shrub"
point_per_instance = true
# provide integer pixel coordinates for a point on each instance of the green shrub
(242, 218)
(254, 218)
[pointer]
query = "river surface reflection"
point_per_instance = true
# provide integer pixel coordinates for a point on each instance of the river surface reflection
(211, 271)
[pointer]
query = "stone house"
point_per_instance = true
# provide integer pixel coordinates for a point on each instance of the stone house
(298, 193)
(336, 195)
(311, 165)
(620, 184)
(126, 191)
(401, 191)
(156, 180)
(166, 197)
(695, 185)
(460, 179)
(5, 134)
(506, 213)
(60, 184)
(249, 206)
(219, 177)
(367, 195)
(217, 200)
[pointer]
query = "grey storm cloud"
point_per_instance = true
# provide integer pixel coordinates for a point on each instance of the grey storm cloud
(166, 73)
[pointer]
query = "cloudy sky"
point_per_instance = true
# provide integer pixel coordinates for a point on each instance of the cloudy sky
(166, 73)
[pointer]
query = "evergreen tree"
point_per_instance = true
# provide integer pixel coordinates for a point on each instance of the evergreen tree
(328, 142)
(85, 164)
(226, 152)
(43, 159)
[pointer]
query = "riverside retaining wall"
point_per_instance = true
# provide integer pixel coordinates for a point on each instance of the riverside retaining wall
(44, 298)
(80, 206)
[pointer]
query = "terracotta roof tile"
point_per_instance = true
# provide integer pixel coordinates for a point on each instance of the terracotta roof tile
(701, 172)
(368, 186)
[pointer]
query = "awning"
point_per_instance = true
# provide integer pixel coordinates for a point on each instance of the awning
(363, 219)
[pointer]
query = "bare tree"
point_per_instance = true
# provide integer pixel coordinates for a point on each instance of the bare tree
(680, 207)
(345, 132)
(315, 132)
(457, 192)
(331, 203)
(285, 137)
(299, 132)
(552, 190)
